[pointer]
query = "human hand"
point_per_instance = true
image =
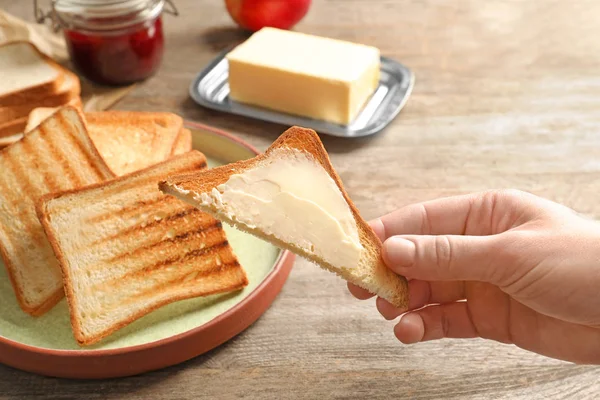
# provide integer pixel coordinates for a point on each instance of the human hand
(501, 265)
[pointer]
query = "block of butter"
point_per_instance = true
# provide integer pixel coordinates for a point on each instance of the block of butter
(305, 75)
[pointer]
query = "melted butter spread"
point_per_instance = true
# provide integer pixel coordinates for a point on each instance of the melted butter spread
(292, 197)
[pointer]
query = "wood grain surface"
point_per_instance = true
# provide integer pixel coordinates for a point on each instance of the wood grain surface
(507, 94)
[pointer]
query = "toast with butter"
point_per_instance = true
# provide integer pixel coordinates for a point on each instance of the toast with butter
(292, 197)
(126, 249)
(57, 155)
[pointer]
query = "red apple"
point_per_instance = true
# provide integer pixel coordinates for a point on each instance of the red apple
(256, 14)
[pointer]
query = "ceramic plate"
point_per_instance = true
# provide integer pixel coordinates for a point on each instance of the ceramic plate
(165, 337)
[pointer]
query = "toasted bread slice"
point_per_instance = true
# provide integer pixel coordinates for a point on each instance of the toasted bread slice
(38, 114)
(67, 94)
(13, 127)
(295, 144)
(26, 72)
(58, 155)
(8, 140)
(126, 249)
(127, 139)
(12, 131)
(130, 141)
(183, 144)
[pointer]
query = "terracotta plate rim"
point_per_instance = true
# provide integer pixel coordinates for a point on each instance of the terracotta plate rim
(284, 257)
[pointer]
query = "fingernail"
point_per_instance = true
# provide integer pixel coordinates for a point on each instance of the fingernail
(398, 252)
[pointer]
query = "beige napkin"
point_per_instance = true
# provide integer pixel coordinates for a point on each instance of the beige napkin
(94, 98)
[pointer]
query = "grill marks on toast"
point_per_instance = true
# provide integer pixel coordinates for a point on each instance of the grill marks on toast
(121, 192)
(154, 242)
(58, 161)
(42, 162)
(25, 187)
(51, 180)
(126, 249)
(76, 142)
(204, 282)
(207, 259)
(190, 279)
(14, 166)
(139, 207)
(196, 238)
(137, 229)
(206, 252)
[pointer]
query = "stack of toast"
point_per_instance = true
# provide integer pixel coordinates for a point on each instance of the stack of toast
(30, 80)
(95, 226)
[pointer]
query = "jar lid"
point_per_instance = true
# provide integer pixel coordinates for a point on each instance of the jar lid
(105, 14)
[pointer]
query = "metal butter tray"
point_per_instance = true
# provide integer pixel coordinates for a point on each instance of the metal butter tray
(211, 89)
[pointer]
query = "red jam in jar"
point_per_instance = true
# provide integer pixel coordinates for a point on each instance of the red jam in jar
(120, 58)
(116, 42)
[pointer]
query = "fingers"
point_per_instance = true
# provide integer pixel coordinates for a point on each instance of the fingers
(378, 228)
(423, 293)
(359, 292)
(528, 330)
(553, 337)
(387, 310)
(445, 257)
(436, 217)
(436, 322)
(477, 214)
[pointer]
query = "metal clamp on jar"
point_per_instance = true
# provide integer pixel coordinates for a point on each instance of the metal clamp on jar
(110, 41)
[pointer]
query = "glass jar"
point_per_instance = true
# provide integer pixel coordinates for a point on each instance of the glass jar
(111, 42)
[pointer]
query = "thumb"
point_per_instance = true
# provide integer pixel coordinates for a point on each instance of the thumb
(443, 257)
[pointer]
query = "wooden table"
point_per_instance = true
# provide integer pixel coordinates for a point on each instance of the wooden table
(507, 95)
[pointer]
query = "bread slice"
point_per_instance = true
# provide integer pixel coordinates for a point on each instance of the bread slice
(38, 114)
(183, 144)
(68, 93)
(130, 141)
(58, 155)
(126, 249)
(370, 272)
(26, 71)
(13, 131)
(8, 140)
(13, 127)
